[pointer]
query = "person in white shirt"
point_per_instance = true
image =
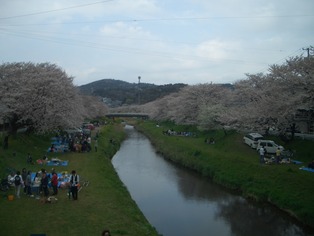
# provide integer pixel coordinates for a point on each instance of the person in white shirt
(74, 181)
(18, 182)
(36, 185)
(262, 154)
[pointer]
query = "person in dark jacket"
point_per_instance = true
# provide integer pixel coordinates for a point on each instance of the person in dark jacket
(54, 183)
(28, 183)
(44, 184)
(74, 182)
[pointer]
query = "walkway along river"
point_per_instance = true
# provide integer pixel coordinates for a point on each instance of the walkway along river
(178, 202)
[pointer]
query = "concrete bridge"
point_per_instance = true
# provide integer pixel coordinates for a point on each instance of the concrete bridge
(138, 115)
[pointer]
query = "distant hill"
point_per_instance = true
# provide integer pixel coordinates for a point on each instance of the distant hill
(117, 93)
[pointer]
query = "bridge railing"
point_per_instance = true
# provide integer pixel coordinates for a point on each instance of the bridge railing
(140, 115)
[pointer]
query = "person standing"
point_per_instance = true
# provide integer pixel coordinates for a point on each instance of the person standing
(44, 184)
(54, 183)
(36, 185)
(96, 145)
(24, 175)
(28, 184)
(89, 144)
(74, 181)
(18, 182)
(278, 155)
(261, 154)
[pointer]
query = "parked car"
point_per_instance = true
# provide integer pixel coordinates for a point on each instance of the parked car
(88, 126)
(251, 139)
(269, 145)
(73, 130)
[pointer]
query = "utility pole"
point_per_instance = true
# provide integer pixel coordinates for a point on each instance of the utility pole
(139, 91)
(308, 49)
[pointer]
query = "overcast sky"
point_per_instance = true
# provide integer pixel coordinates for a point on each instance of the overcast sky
(162, 41)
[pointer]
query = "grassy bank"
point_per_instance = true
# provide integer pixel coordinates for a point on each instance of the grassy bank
(104, 203)
(233, 164)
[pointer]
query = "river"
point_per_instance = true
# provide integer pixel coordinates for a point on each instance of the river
(177, 201)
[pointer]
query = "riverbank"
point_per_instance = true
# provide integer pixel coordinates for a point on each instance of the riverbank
(103, 203)
(234, 165)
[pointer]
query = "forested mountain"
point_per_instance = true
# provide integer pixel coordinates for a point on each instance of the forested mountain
(117, 92)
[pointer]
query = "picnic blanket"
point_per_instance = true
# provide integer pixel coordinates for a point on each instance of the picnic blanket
(57, 163)
(62, 178)
(307, 169)
(296, 162)
(59, 148)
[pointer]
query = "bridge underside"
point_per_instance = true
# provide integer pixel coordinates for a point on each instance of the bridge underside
(139, 115)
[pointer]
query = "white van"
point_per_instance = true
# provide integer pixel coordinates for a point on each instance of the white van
(252, 139)
(269, 145)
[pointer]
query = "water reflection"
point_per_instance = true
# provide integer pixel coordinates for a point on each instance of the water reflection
(246, 218)
(243, 217)
(178, 202)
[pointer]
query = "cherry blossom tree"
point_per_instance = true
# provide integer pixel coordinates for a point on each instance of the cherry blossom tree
(258, 102)
(93, 107)
(159, 109)
(185, 106)
(272, 100)
(39, 96)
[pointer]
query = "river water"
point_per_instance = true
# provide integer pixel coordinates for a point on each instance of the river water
(180, 202)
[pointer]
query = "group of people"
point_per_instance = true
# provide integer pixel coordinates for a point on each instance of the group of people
(177, 133)
(78, 142)
(210, 140)
(277, 159)
(81, 145)
(41, 182)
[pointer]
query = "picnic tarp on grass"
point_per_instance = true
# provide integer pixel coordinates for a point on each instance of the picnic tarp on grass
(53, 163)
(296, 162)
(59, 145)
(59, 148)
(307, 169)
(62, 178)
(57, 163)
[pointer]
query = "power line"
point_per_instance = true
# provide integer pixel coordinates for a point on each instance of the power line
(149, 19)
(49, 11)
(125, 50)
(123, 37)
(280, 60)
(218, 17)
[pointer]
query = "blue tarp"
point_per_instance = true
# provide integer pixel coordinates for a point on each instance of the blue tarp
(307, 169)
(49, 175)
(296, 162)
(57, 163)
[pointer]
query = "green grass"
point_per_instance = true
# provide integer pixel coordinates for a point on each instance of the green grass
(233, 164)
(105, 203)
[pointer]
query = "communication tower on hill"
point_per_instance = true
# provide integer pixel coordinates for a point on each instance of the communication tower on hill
(139, 91)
